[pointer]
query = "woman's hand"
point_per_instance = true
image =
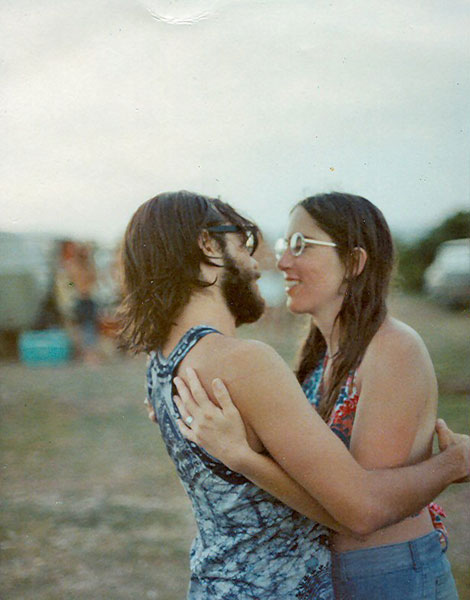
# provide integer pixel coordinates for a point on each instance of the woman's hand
(218, 429)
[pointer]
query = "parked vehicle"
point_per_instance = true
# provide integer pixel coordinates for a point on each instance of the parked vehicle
(447, 280)
(26, 271)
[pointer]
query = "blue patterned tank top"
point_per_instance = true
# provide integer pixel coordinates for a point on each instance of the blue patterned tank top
(249, 545)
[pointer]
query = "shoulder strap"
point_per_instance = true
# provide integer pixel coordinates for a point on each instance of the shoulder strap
(166, 366)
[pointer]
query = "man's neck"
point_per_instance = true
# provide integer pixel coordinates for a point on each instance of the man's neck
(206, 307)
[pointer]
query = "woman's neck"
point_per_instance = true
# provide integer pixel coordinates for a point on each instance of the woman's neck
(329, 328)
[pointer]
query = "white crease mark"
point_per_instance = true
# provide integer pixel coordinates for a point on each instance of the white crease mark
(188, 17)
(169, 20)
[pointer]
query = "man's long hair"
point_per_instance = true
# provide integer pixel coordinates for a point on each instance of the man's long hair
(352, 222)
(160, 263)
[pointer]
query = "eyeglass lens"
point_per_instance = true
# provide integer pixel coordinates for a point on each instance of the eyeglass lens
(296, 245)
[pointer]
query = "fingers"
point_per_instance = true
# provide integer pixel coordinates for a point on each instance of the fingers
(182, 410)
(222, 395)
(198, 392)
(186, 396)
(186, 431)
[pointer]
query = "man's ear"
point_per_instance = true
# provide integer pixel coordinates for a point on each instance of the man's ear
(359, 260)
(209, 246)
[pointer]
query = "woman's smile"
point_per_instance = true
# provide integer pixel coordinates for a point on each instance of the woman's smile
(290, 284)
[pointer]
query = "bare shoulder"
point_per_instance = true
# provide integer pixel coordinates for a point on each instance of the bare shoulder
(231, 358)
(398, 356)
(395, 342)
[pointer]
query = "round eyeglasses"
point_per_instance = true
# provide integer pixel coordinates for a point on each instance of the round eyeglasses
(297, 244)
(249, 232)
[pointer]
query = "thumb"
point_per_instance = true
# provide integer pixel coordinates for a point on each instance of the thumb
(444, 435)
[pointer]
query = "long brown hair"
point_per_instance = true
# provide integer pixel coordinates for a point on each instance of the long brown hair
(160, 263)
(352, 222)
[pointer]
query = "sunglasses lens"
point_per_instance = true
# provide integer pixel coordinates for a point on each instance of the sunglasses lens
(297, 244)
(250, 242)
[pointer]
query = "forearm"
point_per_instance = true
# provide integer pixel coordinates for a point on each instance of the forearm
(309, 452)
(264, 472)
(372, 500)
(394, 494)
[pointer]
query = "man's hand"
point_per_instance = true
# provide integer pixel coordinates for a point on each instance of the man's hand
(151, 414)
(446, 437)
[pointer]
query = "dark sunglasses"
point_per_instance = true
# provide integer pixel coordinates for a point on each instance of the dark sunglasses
(250, 233)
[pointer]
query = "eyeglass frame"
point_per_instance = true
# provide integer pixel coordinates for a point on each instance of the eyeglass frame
(305, 241)
(251, 229)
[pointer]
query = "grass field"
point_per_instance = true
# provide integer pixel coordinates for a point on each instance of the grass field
(91, 507)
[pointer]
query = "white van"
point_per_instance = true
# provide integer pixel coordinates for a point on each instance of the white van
(448, 278)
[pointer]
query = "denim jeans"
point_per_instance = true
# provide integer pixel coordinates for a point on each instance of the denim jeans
(414, 570)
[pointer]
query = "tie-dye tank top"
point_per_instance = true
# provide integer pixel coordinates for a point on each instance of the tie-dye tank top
(249, 545)
(342, 420)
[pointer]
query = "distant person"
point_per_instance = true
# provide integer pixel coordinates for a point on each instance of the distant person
(80, 270)
(370, 378)
(189, 281)
(49, 315)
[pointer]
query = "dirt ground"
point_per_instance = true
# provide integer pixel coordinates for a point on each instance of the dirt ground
(91, 506)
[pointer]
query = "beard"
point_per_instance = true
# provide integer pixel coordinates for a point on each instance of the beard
(241, 295)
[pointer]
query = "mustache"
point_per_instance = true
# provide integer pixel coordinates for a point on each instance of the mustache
(234, 270)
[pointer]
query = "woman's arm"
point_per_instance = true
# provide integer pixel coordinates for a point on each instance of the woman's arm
(226, 428)
(396, 413)
(273, 405)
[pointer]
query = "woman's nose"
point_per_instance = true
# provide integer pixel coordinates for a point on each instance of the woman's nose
(284, 262)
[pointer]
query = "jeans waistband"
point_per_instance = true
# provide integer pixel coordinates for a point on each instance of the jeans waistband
(414, 553)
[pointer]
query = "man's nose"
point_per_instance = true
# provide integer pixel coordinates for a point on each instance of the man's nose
(254, 264)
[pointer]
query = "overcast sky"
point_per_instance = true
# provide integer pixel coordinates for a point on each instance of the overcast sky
(105, 103)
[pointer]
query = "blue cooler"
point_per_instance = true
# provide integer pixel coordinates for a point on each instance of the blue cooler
(43, 348)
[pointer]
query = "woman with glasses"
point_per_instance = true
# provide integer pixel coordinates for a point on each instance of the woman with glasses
(371, 379)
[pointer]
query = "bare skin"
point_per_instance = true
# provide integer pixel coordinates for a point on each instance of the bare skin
(395, 418)
(82, 272)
